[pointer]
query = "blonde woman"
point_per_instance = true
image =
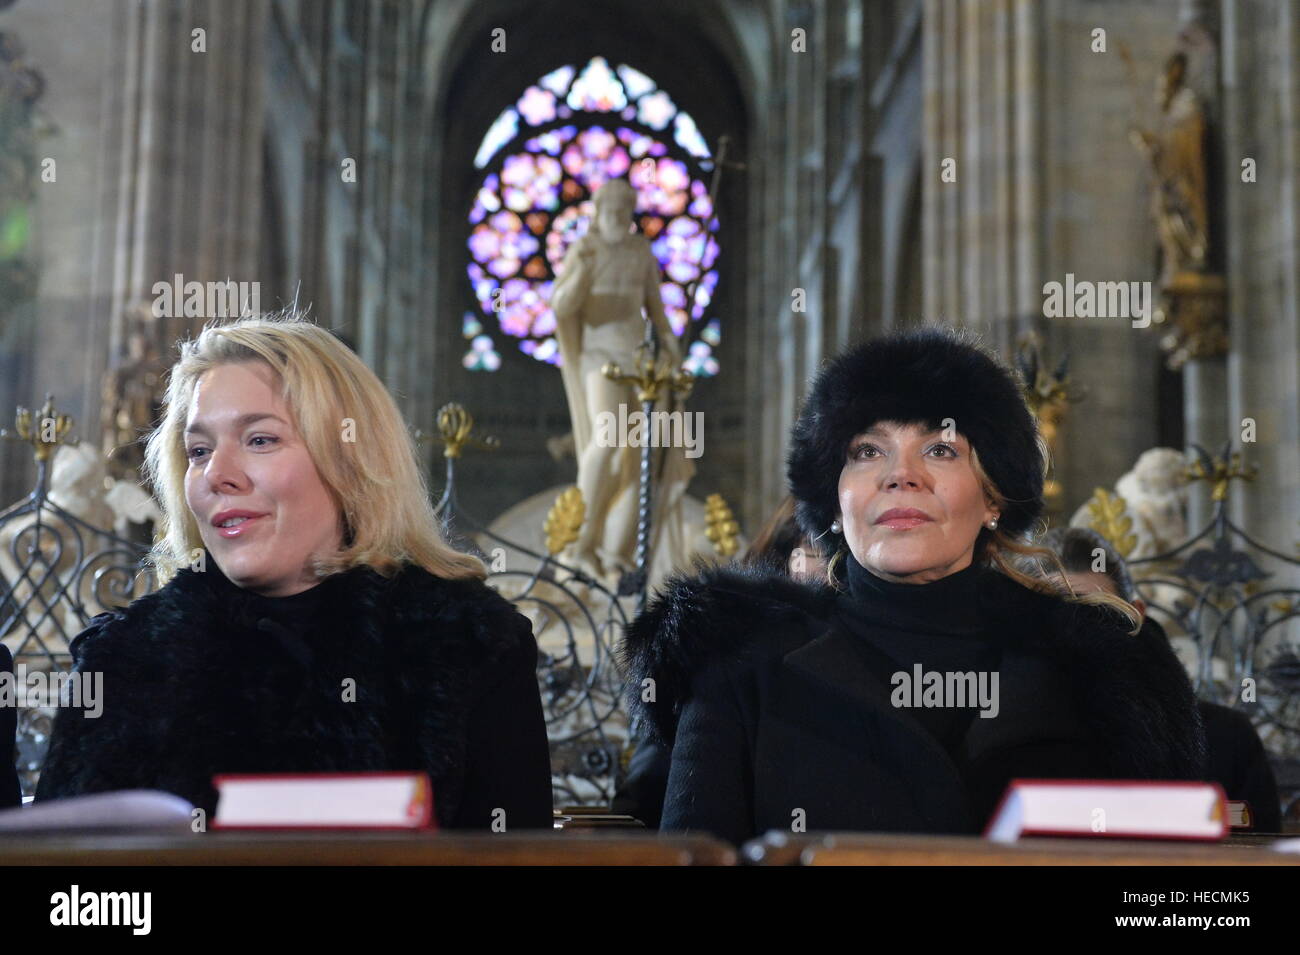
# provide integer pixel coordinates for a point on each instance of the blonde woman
(312, 618)
(928, 671)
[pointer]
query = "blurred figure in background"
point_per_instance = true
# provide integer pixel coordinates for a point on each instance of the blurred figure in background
(782, 546)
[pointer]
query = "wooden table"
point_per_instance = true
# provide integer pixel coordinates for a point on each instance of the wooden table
(778, 848)
(594, 848)
(599, 847)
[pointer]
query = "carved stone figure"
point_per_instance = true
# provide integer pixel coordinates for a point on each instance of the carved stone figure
(1155, 492)
(609, 278)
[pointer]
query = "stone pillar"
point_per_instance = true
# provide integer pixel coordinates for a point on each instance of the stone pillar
(191, 171)
(981, 237)
(1261, 99)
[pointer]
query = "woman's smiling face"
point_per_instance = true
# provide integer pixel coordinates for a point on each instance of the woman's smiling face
(246, 456)
(892, 467)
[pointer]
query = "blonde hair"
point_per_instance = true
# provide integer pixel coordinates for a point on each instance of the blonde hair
(1007, 553)
(376, 482)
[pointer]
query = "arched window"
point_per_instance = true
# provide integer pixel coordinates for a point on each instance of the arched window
(544, 157)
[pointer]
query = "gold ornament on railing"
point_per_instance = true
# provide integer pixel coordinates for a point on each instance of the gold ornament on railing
(455, 429)
(721, 525)
(564, 520)
(51, 429)
(1111, 520)
(1220, 473)
(1048, 395)
(651, 376)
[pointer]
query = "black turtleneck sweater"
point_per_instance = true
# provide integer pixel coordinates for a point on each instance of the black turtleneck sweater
(938, 625)
(288, 621)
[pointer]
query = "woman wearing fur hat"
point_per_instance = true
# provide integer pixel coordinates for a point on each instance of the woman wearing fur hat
(312, 618)
(928, 671)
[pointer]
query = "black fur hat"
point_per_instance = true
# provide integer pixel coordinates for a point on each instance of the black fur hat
(915, 377)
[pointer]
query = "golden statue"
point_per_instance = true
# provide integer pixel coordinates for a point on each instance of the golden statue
(1193, 298)
(1176, 152)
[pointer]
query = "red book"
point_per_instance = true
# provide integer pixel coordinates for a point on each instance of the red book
(324, 801)
(1121, 809)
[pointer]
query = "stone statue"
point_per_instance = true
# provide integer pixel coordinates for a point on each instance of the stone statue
(609, 277)
(1155, 496)
(1176, 151)
(1155, 492)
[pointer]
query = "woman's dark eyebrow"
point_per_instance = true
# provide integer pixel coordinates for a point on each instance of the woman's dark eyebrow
(197, 427)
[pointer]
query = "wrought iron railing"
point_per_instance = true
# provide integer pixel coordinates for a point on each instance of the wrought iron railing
(56, 572)
(577, 621)
(1231, 604)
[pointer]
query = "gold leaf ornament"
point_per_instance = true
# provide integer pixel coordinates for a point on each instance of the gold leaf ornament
(721, 527)
(564, 520)
(1111, 520)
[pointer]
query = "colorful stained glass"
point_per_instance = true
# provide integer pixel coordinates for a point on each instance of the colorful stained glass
(537, 106)
(700, 361)
(530, 182)
(597, 89)
(635, 82)
(546, 156)
(482, 355)
(656, 110)
(501, 132)
(551, 142)
(557, 81)
(688, 137)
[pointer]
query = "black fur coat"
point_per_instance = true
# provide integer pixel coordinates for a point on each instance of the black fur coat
(771, 716)
(204, 677)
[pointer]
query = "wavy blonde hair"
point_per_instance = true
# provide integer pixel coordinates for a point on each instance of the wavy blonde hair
(376, 482)
(1009, 553)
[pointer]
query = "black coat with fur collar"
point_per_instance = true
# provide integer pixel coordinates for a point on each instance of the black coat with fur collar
(201, 678)
(768, 709)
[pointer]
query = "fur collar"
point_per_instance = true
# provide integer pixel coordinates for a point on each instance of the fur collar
(697, 618)
(1131, 691)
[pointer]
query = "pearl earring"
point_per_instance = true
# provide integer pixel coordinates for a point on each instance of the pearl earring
(993, 524)
(835, 526)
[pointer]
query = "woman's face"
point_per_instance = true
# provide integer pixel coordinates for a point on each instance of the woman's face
(892, 467)
(247, 457)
